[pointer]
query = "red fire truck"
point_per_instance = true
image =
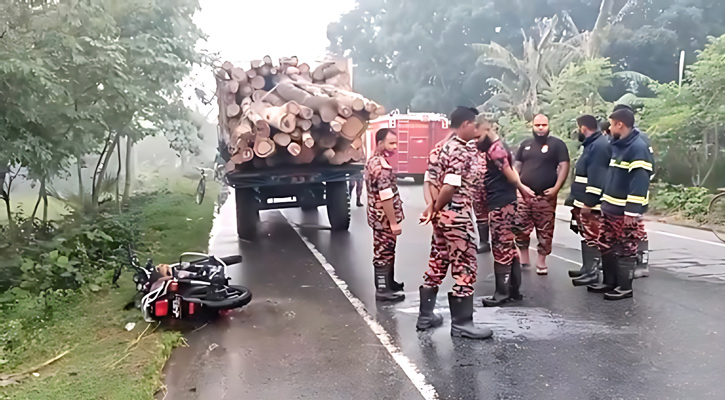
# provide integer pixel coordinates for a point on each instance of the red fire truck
(417, 134)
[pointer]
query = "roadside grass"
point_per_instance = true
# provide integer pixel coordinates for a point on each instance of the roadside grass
(106, 361)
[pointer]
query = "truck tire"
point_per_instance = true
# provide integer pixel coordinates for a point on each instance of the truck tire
(247, 213)
(338, 205)
(418, 179)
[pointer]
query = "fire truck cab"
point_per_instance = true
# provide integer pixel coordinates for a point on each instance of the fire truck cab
(417, 134)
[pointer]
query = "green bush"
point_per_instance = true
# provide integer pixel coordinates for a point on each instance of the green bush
(689, 202)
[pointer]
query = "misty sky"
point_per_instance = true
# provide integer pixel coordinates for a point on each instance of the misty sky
(242, 30)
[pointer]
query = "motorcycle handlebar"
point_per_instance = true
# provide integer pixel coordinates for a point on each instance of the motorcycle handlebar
(229, 260)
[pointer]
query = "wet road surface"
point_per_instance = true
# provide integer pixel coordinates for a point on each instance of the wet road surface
(313, 329)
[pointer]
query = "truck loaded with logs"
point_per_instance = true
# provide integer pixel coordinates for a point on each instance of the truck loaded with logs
(291, 136)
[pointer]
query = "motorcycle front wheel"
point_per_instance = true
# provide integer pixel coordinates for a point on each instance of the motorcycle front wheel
(228, 298)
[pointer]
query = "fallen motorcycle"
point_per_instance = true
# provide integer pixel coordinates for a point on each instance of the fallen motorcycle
(196, 285)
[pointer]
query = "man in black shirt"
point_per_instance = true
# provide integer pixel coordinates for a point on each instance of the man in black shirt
(543, 163)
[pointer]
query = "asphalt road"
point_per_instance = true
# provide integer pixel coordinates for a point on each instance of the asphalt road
(313, 329)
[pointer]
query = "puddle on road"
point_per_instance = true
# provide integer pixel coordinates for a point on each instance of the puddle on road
(682, 264)
(532, 323)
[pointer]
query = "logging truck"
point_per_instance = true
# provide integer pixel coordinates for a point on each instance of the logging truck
(291, 136)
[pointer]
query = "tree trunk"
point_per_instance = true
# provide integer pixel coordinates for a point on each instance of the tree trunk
(98, 176)
(129, 171)
(118, 174)
(37, 204)
(44, 193)
(81, 189)
(713, 162)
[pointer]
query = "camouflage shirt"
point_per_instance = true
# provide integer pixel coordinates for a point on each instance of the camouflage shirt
(457, 161)
(382, 185)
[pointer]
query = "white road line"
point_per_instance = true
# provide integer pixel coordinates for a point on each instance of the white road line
(559, 257)
(674, 235)
(411, 370)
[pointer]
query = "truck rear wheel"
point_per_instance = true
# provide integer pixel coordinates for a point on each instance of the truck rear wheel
(247, 213)
(338, 205)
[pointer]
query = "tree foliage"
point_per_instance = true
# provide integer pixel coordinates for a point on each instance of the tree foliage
(76, 75)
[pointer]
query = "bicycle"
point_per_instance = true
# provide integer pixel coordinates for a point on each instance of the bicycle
(716, 214)
(201, 187)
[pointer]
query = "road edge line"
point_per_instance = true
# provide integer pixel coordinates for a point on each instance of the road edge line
(409, 368)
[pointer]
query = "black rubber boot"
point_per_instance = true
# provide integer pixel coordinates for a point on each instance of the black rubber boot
(383, 290)
(625, 275)
(515, 281)
(591, 258)
(395, 286)
(462, 319)
(359, 203)
(641, 270)
(575, 273)
(483, 246)
(427, 318)
(502, 295)
(609, 272)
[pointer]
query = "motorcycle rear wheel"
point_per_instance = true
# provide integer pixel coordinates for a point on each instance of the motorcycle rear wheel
(234, 296)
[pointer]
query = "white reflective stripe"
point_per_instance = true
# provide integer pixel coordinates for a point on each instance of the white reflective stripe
(579, 204)
(453, 180)
(386, 194)
(614, 201)
(594, 190)
(631, 214)
(581, 179)
(640, 164)
(637, 200)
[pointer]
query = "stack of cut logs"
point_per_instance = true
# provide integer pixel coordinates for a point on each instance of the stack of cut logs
(290, 114)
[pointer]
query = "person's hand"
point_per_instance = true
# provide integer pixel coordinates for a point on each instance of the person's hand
(527, 192)
(551, 193)
(631, 222)
(397, 230)
(427, 215)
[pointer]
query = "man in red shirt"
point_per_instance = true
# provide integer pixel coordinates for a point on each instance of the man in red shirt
(543, 164)
(453, 209)
(385, 213)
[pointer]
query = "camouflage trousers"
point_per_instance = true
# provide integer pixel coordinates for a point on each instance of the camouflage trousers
(453, 245)
(384, 242)
(357, 185)
(538, 212)
(590, 225)
(619, 238)
(503, 236)
(480, 208)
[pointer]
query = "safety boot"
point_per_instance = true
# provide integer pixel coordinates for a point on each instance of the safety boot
(501, 295)
(483, 232)
(426, 317)
(383, 280)
(462, 319)
(591, 258)
(641, 270)
(515, 281)
(625, 275)
(609, 275)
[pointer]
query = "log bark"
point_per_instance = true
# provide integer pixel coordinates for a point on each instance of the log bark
(316, 121)
(306, 156)
(276, 117)
(269, 97)
(296, 135)
(319, 72)
(326, 107)
(245, 90)
(282, 139)
(295, 149)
